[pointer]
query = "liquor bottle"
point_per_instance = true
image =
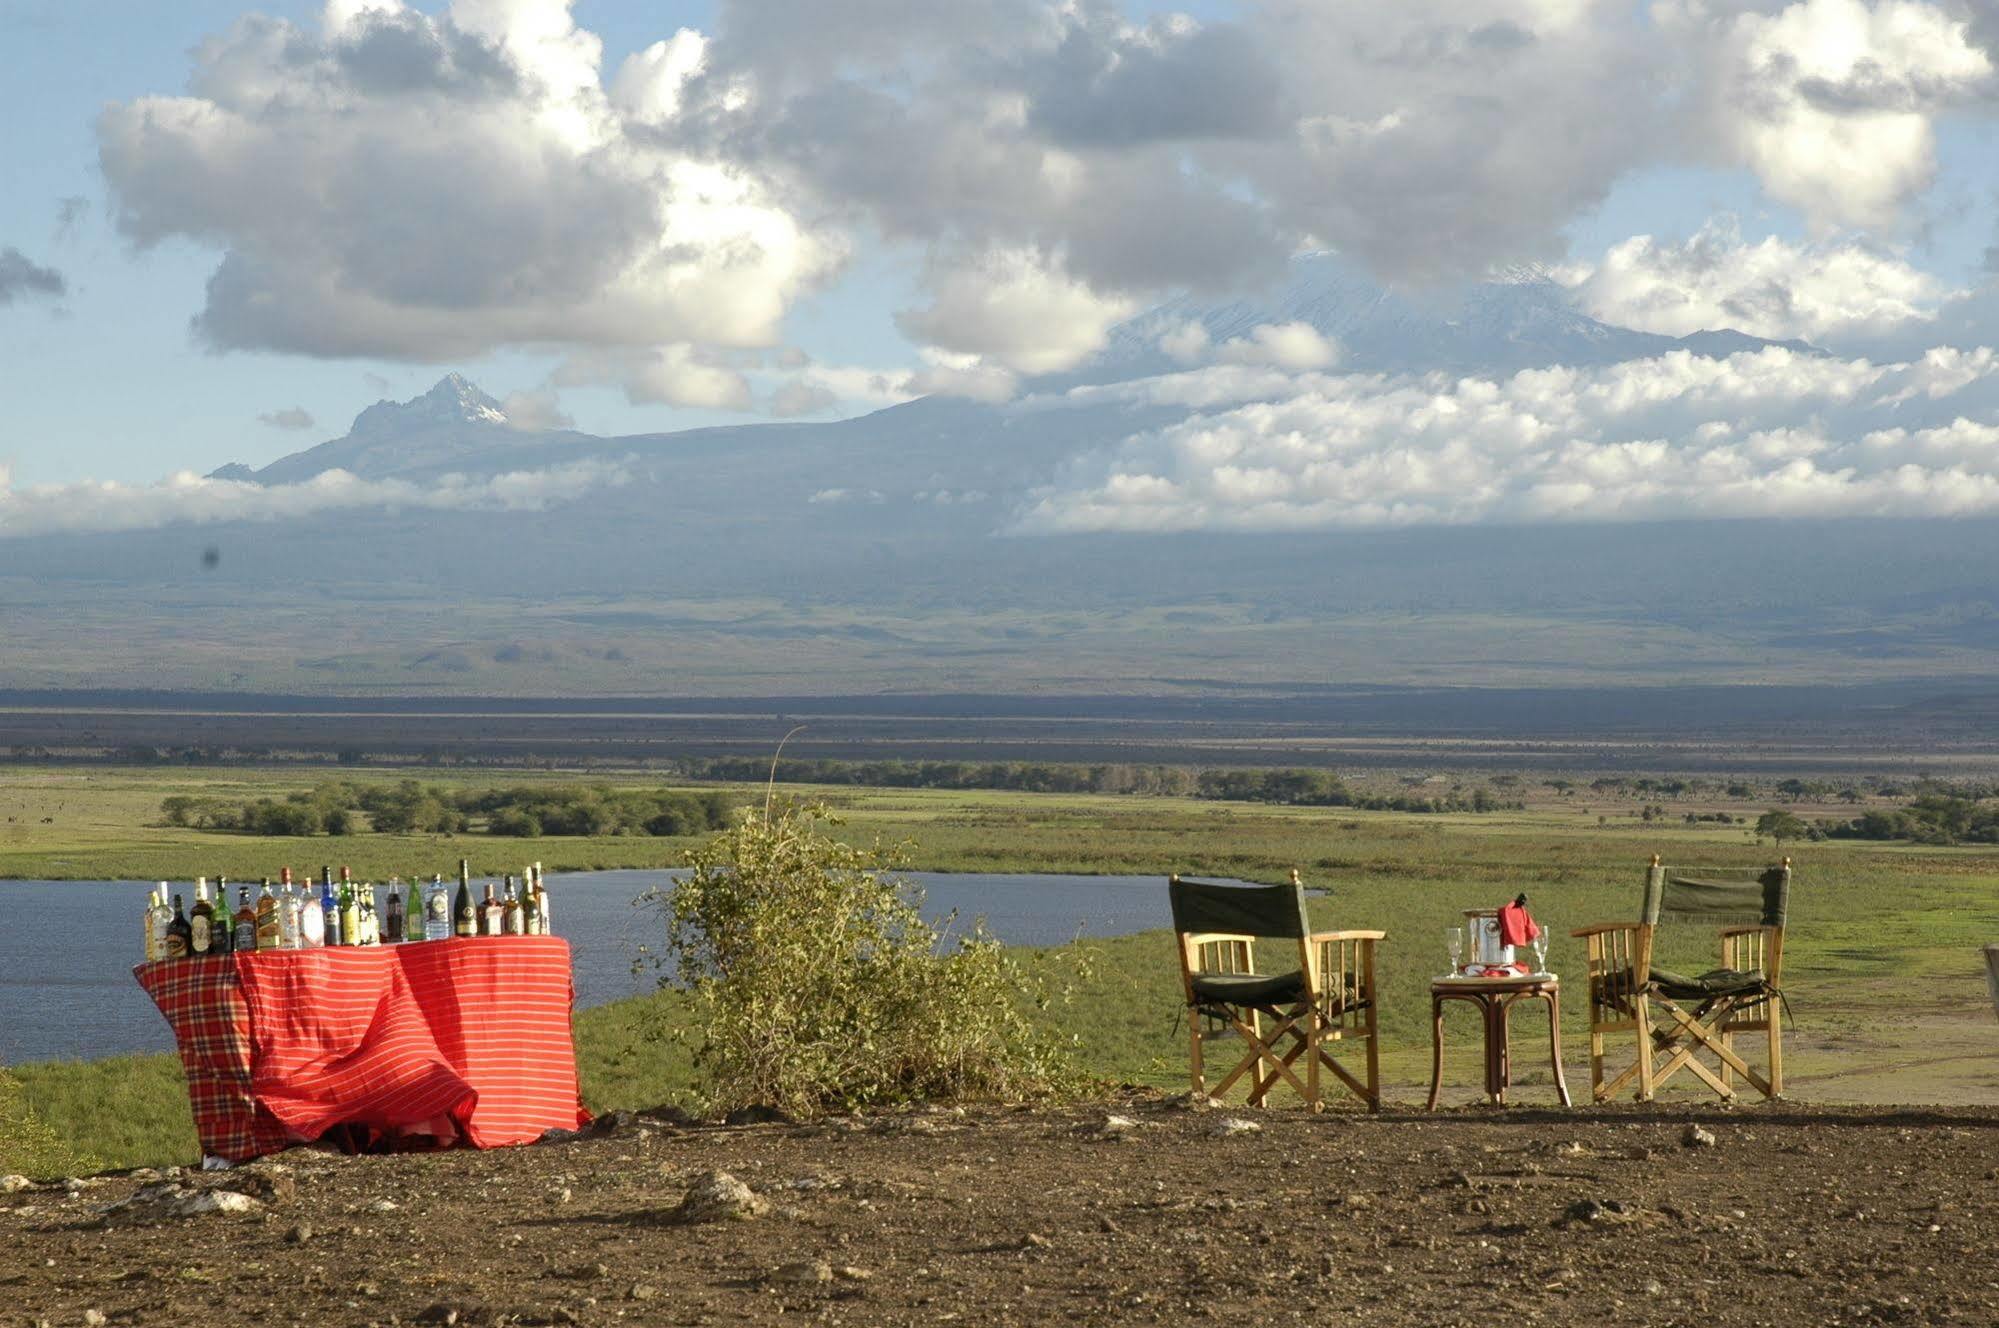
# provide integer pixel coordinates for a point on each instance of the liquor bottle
(541, 898)
(464, 913)
(268, 931)
(329, 907)
(158, 917)
(146, 918)
(392, 923)
(201, 921)
(179, 933)
(244, 937)
(350, 910)
(371, 921)
(492, 913)
(436, 910)
(289, 919)
(221, 939)
(512, 920)
(413, 911)
(530, 909)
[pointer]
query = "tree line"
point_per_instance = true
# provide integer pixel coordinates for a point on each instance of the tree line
(343, 807)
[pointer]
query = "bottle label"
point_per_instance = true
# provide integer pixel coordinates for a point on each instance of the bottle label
(246, 934)
(313, 924)
(176, 945)
(198, 935)
(439, 906)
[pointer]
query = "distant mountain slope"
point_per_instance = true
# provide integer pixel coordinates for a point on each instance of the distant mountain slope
(1521, 319)
(453, 424)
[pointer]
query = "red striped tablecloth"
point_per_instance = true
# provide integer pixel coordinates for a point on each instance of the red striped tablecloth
(459, 1040)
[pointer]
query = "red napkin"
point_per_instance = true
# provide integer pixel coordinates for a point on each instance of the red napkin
(1517, 925)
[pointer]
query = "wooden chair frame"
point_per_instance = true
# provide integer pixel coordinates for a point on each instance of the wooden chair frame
(1668, 1034)
(1340, 1005)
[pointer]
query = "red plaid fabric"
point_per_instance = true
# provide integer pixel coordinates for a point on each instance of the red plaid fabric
(204, 1005)
(461, 1038)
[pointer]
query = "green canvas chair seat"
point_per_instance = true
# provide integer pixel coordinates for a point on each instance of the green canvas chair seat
(1259, 989)
(1251, 988)
(1714, 982)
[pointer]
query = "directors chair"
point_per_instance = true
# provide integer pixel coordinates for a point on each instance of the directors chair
(1328, 997)
(1675, 1019)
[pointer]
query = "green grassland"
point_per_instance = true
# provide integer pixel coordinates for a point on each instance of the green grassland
(1882, 962)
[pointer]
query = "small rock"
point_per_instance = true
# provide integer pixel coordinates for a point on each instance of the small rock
(94, 1319)
(453, 1312)
(384, 1206)
(1230, 1127)
(611, 1122)
(759, 1114)
(802, 1272)
(1357, 1200)
(274, 1185)
(1191, 1101)
(1600, 1213)
(563, 1314)
(1034, 1240)
(588, 1272)
(1653, 1287)
(562, 1196)
(642, 1291)
(1116, 1125)
(847, 1272)
(1698, 1137)
(718, 1197)
(298, 1234)
(1109, 1226)
(15, 1184)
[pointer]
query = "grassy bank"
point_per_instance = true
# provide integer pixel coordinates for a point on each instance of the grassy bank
(1882, 960)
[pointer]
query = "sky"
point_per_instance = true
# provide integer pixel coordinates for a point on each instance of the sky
(228, 228)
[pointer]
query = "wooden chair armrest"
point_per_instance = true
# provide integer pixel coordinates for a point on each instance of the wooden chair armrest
(1319, 936)
(1602, 928)
(1727, 932)
(1211, 937)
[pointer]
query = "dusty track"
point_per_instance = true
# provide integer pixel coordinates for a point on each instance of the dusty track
(1793, 1216)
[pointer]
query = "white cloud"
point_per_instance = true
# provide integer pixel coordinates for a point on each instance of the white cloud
(1015, 311)
(1280, 345)
(532, 411)
(1773, 433)
(673, 375)
(291, 417)
(1833, 103)
(185, 498)
(1772, 288)
(425, 188)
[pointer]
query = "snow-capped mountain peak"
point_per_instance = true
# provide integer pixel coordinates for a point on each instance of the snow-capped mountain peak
(455, 399)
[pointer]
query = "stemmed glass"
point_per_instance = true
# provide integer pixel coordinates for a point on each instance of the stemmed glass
(1541, 951)
(1454, 940)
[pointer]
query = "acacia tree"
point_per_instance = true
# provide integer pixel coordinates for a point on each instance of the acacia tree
(1780, 826)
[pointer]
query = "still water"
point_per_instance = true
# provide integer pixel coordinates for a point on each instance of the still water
(66, 955)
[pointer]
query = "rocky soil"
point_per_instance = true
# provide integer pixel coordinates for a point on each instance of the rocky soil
(1141, 1210)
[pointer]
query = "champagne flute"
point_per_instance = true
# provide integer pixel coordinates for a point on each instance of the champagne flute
(1541, 951)
(1454, 940)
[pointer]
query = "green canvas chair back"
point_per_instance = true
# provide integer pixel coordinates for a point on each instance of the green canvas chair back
(1723, 897)
(1248, 910)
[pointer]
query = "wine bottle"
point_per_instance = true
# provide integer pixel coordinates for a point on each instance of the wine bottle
(179, 933)
(221, 936)
(158, 916)
(530, 909)
(436, 910)
(371, 924)
(201, 921)
(268, 931)
(244, 938)
(329, 906)
(512, 921)
(541, 893)
(413, 911)
(350, 910)
(392, 924)
(463, 910)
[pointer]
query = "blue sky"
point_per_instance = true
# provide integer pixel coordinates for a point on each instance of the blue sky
(108, 381)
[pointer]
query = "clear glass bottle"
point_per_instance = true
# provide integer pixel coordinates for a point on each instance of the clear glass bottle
(512, 920)
(437, 911)
(329, 907)
(201, 920)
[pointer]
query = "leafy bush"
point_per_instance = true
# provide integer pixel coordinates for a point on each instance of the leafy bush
(817, 985)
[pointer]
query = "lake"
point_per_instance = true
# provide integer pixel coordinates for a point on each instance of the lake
(66, 957)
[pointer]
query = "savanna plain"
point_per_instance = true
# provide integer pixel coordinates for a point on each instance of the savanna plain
(1865, 1197)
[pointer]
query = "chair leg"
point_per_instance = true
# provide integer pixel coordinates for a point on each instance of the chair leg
(1727, 1070)
(1200, 1085)
(1644, 1009)
(1595, 1060)
(1373, 1056)
(1315, 1031)
(1772, 1013)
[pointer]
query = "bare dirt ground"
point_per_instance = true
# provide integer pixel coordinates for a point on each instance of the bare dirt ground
(1137, 1210)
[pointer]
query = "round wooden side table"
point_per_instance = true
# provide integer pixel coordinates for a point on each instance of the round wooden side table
(1495, 998)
